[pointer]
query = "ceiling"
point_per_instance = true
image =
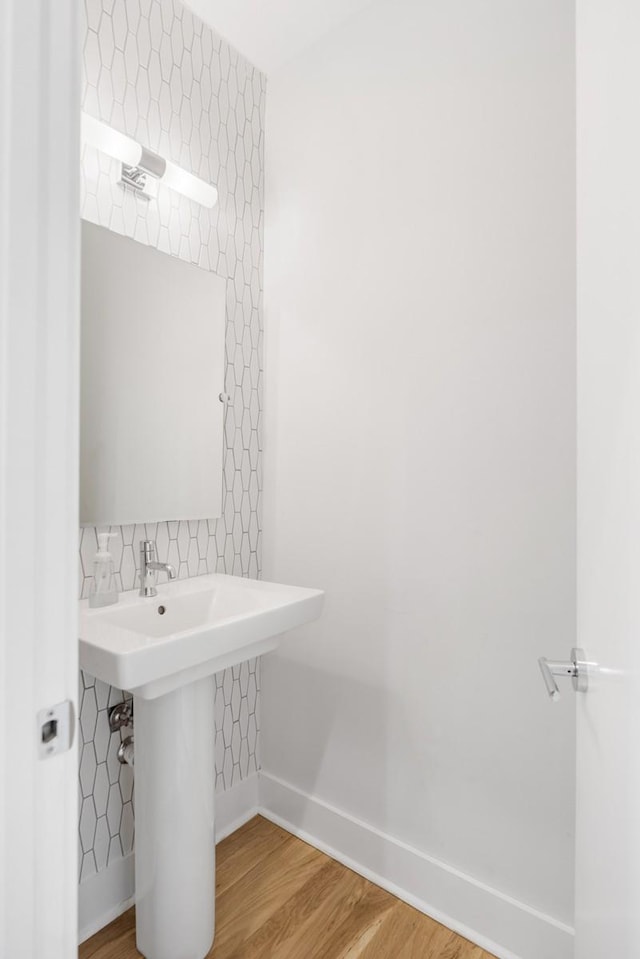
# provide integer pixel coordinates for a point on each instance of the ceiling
(269, 33)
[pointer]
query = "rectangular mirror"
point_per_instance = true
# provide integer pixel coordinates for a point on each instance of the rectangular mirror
(152, 370)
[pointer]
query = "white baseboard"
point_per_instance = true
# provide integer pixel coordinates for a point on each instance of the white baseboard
(107, 894)
(236, 806)
(503, 926)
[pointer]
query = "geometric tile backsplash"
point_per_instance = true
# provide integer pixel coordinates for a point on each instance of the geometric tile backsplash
(157, 73)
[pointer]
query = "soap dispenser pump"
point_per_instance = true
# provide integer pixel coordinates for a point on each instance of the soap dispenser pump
(103, 588)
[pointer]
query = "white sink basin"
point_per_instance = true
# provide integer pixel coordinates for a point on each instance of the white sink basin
(165, 650)
(191, 629)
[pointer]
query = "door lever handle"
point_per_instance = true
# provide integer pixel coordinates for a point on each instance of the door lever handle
(576, 669)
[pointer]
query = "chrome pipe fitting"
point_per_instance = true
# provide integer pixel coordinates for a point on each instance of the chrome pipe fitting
(125, 752)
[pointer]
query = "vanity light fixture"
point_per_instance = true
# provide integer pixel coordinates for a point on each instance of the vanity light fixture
(142, 169)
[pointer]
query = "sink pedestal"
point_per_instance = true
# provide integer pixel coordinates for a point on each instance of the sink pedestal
(175, 840)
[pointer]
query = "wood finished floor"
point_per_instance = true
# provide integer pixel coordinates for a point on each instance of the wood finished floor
(279, 898)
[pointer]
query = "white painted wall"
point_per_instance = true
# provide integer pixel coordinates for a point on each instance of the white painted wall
(420, 433)
(608, 825)
(269, 33)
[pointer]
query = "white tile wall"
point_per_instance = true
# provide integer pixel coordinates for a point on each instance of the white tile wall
(157, 73)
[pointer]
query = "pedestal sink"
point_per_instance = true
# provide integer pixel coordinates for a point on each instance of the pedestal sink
(165, 650)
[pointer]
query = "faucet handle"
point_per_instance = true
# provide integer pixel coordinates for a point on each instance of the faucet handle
(148, 549)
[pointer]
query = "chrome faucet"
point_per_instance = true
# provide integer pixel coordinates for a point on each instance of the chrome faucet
(149, 566)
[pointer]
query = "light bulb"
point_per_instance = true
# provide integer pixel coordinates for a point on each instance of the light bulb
(191, 186)
(110, 141)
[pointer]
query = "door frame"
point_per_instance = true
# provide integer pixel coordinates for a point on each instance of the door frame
(39, 376)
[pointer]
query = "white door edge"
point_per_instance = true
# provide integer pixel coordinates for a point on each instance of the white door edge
(39, 331)
(607, 917)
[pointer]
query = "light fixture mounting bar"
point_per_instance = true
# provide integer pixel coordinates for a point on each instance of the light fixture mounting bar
(134, 178)
(140, 178)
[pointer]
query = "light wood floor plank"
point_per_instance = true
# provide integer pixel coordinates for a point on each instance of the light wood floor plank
(251, 901)
(280, 935)
(349, 935)
(244, 849)
(447, 945)
(113, 941)
(396, 936)
(279, 898)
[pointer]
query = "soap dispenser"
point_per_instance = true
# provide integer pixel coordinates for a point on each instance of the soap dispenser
(103, 588)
